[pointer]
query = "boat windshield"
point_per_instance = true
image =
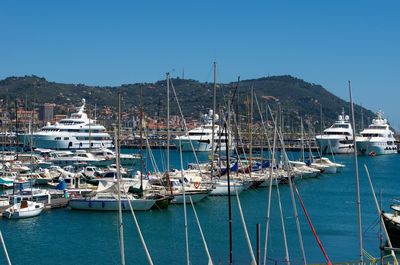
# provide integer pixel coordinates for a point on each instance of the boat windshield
(344, 126)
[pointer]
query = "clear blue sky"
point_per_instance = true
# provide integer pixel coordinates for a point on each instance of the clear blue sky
(117, 42)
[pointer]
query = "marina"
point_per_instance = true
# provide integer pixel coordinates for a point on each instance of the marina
(333, 215)
(199, 132)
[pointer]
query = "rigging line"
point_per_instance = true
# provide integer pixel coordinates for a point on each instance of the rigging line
(372, 225)
(184, 210)
(185, 125)
(358, 199)
(271, 173)
(296, 216)
(117, 132)
(283, 223)
(263, 123)
(240, 136)
(311, 225)
(139, 230)
(152, 159)
(380, 214)
(253, 258)
(5, 249)
(201, 232)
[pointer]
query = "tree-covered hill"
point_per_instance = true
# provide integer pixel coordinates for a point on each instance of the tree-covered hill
(295, 97)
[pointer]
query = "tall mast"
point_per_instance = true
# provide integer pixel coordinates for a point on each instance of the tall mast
(229, 195)
(16, 128)
(121, 226)
(141, 140)
(357, 179)
(302, 140)
(213, 120)
(320, 117)
(251, 130)
(90, 135)
(168, 133)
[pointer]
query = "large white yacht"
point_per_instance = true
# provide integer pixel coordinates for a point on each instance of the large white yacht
(201, 137)
(377, 139)
(75, 132)
(337, 139)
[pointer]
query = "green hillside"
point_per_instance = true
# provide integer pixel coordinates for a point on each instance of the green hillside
(296, 97)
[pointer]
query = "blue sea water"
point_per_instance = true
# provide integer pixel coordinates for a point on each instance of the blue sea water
(63, 236)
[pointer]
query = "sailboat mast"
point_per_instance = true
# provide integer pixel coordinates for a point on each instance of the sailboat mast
(213, 120)
(357, 178)
(121, 226)
(229, 194)
(168, 133)
(16, 128)
(302, 140)
(141, 141)
(184, 210)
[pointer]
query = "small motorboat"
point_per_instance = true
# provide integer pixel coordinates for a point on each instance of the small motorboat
(24, 209)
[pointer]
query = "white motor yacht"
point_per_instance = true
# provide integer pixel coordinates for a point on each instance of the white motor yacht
(75, 132)
(377, 139)
(201, 137)
(337, 139)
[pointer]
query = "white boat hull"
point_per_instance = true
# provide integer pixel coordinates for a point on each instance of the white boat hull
(221, 189)
(335, 145)
(15, 212)
(375, 148)
(199, 146)
(178, 198)
(49, 142)
(110, 205)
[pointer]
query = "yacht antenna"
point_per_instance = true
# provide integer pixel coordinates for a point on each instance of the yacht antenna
(357, 179)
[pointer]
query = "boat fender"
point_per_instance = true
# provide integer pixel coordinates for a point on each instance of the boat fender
(107, 158)
(197, 185)
(103, 204)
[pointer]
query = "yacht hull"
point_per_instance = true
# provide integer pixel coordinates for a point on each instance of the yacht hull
(335, 146)
(198, 146)
(375, 148)
(49, 142)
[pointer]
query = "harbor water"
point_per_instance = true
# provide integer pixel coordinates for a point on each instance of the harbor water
(63, 236)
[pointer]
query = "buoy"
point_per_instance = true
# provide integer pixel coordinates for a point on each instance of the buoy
(197, 185)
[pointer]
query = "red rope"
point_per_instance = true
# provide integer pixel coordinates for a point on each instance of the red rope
(312, 227)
